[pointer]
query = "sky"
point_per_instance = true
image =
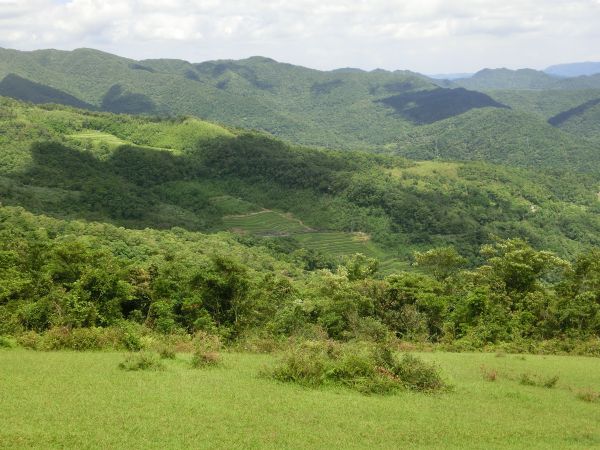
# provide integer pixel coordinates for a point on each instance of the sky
(428, 36)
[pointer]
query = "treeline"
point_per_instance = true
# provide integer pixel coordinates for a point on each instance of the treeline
(76, 274)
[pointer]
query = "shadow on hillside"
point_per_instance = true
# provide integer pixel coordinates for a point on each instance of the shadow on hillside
(142, 187)
(425, 107)
(19, 88)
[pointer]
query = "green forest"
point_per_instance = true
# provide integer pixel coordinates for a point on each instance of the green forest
(182, 226)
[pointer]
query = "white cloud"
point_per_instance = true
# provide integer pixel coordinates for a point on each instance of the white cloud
(425, 35)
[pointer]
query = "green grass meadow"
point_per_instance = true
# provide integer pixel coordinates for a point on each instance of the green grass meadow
(82, 400)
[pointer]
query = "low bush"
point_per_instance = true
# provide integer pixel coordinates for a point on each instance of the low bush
(527, 379)
(29, 339)
(364, 366)
(89, 338)
(141, 361)
(206, 350)
(166, 351)
(6, 342)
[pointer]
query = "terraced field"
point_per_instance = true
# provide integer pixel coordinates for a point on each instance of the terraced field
(335, 244)
(340, 244)
(266, 223)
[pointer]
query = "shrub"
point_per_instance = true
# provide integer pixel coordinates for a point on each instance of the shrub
(30, 340)
(75, 339)
(206, 350)
(131, 340)
(166, 351)
(6, 342)
(141, 361)
(370, 329)
(588, 395)
(418, 375)
(550, 382)
(364, 366)
(527, 380)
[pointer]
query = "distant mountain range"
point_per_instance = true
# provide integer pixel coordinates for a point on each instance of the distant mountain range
(346, 108)
(574, 69)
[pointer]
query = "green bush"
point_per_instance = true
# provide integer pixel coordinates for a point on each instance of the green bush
(527, 379)
(166, 351)
(29, 339)
(6, 342)
(418, 375)
(141, 361)
(363, 366)
(257, 342)
(206, 350)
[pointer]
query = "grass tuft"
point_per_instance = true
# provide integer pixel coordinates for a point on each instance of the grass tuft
(141, 361)
(588, 395)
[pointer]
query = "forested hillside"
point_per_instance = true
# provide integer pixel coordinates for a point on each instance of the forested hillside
(143, 172)
(343, 109)
(180, 225)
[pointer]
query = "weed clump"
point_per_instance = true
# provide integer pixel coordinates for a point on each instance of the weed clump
(141, 361)
(206, 350)
(588, 395)
(166, 351)
(363, 366)
(489, 374)
(527, 379)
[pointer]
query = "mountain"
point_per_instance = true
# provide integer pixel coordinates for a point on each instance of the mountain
(574, 69)
(544, 103)
(524, 79)
(488, 79)
(346, 108)
(450, 76)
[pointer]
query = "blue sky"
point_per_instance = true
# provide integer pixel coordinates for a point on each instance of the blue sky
(429, 36)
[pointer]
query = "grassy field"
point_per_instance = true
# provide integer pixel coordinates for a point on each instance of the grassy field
(99, 137)
(82, 400)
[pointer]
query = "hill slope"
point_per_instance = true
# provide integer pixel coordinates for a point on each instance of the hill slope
(344, 109)
(141, 172)
(501, 136)
(341, 108)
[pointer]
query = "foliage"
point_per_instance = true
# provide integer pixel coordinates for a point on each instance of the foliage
(141, 361)
(368, 368)
(206, 350)
(7, 342)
